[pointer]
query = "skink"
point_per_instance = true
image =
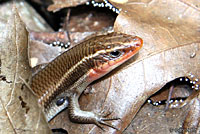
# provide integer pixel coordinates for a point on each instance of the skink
(70, 73)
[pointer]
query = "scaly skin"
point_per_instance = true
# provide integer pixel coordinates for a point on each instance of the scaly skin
(71, 72)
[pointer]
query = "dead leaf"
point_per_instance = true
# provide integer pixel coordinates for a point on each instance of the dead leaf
(19, 110)
(59, 4)
(191, 123)
(168, 27)
(151, 119)
(28, 15)
(41, 53)
(88, 20)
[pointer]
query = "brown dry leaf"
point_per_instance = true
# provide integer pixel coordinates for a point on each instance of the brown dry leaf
(59, 4)
(28, 15)
(170, 30)
(41, 53)
(19, 110)
(151, 119)
(91, 20)
(155, 119)
(167, 28)
(193, 116)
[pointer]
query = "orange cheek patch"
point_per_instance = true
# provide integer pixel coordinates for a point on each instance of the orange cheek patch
(105, 68)
(95, 74)
(92, 75)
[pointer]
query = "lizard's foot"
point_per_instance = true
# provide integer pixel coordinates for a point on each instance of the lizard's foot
(102, 117)
(80, 116)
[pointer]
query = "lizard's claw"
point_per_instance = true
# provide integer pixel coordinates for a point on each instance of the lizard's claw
(102, 118)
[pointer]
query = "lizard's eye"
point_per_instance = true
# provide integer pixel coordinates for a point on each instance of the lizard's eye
(115, 54)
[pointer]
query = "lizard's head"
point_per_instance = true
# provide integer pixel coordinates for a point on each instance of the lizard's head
(111, 51)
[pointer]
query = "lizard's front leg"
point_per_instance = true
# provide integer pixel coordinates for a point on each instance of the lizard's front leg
(88, 117)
